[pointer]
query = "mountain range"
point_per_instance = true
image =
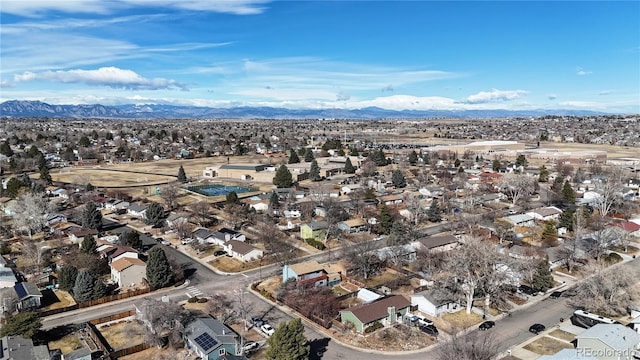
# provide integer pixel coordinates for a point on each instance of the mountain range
(23, 108)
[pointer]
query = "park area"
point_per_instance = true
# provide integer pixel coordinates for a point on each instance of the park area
(103, 177)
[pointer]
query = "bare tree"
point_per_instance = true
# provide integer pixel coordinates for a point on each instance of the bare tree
(221, 306)
(416, 207)
(609, 192)
(200, 211)
(473, 267)
(164, 319)
(608, 293)
(169, 194)
(183, 228)
(516, 186)
(29, 212)
(471, 346)
(275, 243)
(359, 252)
(243, 306)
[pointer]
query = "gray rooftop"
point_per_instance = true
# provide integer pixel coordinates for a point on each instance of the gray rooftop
(19, 348)
(217, 330)
(616, 336)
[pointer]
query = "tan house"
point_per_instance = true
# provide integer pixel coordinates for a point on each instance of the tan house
(242, 251)
(128, 271)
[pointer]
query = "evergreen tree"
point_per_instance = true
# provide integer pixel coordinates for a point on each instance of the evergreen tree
(130, 238)
(83, 288)
(542, 279)
(397, 179)
(521, 160)
(67, 277)
(5, 149)
(13, 187)
(348, 167)
(288, 342)
(308, 155)
(293, 158)
(314, 171)
(567, 219)
(232, 198)
(182, 176)
(543, 176)
(45, 176)
(413, 157)
(549, 233)
(496, 165)
(89, 244)
(274, 201)
(434, 213)
(90, 187)
(385, 221)
(26, 323)
(568, 195)
(456, 163)
(159, 272)
(99, 289)
(283, 178)
(91, 216)
(154, 215)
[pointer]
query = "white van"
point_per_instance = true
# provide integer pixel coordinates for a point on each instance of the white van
(422, 321)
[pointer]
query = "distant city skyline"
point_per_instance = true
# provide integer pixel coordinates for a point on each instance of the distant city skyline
(397, 55)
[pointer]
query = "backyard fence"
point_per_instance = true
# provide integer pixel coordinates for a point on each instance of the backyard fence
(113, 317)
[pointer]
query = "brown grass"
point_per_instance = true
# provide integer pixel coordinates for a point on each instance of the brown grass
(547, 346)
(561, 334)
(459, 320)
(109, 178)
(64, 299)
(385, 277)
(66, 344)
(123, 334)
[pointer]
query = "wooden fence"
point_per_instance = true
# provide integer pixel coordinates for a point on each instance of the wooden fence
(113, 317)
(49, 312)
(100, 341)
(115, 297)
(128, 351)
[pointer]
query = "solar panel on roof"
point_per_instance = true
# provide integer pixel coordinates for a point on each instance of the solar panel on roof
(20, 291)
(205, 341)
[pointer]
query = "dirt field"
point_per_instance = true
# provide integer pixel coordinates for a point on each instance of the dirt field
(457, 320)
(547, 346)
(160, 354)
(109, 178)
(122, 334)
(58, 299)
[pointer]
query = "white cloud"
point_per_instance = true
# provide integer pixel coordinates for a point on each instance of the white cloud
(494, 95)
(387, 88)
(342, 96)
(36, 8)
(582, 72)
(106, 76)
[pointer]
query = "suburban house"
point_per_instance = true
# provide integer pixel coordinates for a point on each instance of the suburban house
(127, 271)
(353, 225)
(524, 220)
(115, 204)
(288, 214)
(210, 339)
(545, 213)
(137, 210)
(242, 251)
(387, 311)
(312, 273)
(18, 347)
(391, 199)
(29, 296)
(114, 253)
(397, 254)
(432, 303)
(602, 342)
(55, 218)
(630, 227)
(76, 235)
(84, 353)
(314, 230)
(202, 235)
(7, 276)
(259, 205)
(225, 235)
(367, 296)
(436, 244)
(176, 218)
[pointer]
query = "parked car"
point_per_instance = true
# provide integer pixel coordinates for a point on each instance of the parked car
(267, 329)
(537, 328)
(186, 241)
(430, 330)
(528, 290)
(487, 325)
(251, 345)
(422, 321)
(257, 321)
(220, 253)
(555, 294)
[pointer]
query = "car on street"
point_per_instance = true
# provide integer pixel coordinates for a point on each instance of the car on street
(537, 328)
(251, 345)
(528, 290)
(429, 330)
(267, 329)
(487, 325)
(187, 241)
(555, 294)
(220, 253)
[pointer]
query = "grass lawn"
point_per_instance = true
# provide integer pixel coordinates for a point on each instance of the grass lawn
(547, 346)
(620, 249)
(66, 344)
(231, 265)
(561, 334)
(382, 278)
(460, 319)
(123, 334)
(339, 290)
(56, 299)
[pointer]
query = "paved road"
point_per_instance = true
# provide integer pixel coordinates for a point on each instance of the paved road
(509, 331)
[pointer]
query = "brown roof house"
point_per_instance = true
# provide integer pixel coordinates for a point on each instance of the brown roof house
(128, 271)
(242, 251)
(387, 311)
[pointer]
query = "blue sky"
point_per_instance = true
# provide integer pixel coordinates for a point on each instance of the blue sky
(329, 54)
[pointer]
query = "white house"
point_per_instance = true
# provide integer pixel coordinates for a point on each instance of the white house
(128, 271)
(432, 303)
(137, 210)
(225, 235)
(242, 251)
(545, 213)
(523, 220)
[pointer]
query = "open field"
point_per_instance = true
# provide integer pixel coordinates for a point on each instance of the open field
(458, 320)
(547, 346)
(122, 334)
(109, 178)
